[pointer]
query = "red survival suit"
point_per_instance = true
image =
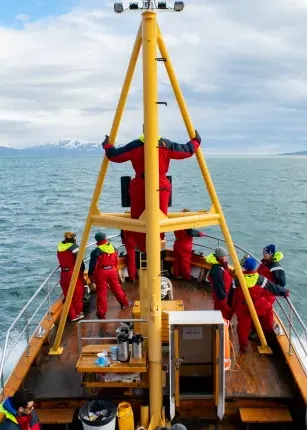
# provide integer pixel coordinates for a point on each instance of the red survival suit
(183, 246)
(67, 254)
(220, 281)
(257, 286)
(128, 241)
(103, 271)
(134, 152)
(272, 270)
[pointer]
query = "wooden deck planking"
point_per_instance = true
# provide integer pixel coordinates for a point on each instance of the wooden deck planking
(258, 375)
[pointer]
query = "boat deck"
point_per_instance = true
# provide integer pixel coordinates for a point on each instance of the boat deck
(258, 376)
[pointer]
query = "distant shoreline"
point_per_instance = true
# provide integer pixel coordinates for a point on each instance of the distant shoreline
(293, 154)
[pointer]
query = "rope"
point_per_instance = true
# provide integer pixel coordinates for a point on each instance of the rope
(233, 351)
(166, 286)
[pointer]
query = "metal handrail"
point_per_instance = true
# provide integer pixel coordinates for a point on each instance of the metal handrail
(23, 314)
(100, 322)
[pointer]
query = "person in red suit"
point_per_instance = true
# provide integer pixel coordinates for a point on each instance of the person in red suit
(67, 253)
(271, 269)
(220, 280)
(257, 285)
(183, 247)
(103, 271)
(134, 152)
(128, 241)
(19, 412)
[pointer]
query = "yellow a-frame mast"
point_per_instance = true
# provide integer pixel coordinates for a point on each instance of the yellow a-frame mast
(152, 220)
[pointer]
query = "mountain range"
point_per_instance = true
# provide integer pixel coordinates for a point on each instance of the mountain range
(71, 148)
(62, 148)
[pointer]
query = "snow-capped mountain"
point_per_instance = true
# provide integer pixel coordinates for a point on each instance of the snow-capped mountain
(62, 148)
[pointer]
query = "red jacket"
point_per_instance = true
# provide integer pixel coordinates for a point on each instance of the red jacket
(186, 236)
(219, 278)
(258, 287)
(67, 254)
(272, 270)
(104, 256)
(134, 152)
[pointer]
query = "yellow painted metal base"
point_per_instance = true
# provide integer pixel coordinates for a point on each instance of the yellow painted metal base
(57, 351)
(264, 349)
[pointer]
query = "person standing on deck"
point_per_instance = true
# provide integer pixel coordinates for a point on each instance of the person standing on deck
(128, 241)
(103, 271)
(67, 253)
(220, 280)
(257, 286)
(183, 247)
(134, 152)
(271, 269)
(19, 412)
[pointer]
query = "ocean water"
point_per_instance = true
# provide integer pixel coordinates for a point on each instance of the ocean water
(264, 201)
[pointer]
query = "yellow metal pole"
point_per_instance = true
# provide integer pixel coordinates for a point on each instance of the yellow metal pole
(152, 213)
(207, 178)
(143, 296)
(56, 349)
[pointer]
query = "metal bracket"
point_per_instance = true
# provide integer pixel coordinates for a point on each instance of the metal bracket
(161, 103)
(161, 59)
(264, 349)
(40, 332)
(178, 362)
(56, 351)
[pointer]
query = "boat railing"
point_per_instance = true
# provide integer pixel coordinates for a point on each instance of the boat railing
(105, 338)
(295, 328)
(27, 322)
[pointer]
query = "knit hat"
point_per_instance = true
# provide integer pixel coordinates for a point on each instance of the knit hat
(69, 235)
(220, 252)
(178, 427)
(100, 236)
(250, 264)
(270, 249)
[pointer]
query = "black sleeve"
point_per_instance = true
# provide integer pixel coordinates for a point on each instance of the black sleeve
(230, 296)
(92, 264)
(276, 290)
(218, 281)
(74, 249)
(193, 232)
(279, 275)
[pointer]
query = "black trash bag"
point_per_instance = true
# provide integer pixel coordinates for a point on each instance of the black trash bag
(98, 405)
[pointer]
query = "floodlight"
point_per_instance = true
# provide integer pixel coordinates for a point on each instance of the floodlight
(133, 6)
(162, 5)
(118, 7)
(178, 6)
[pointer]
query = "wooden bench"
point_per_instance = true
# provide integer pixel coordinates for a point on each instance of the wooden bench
(56, 416)
(265, 416)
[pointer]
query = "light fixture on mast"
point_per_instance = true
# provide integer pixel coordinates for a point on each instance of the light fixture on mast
(149, 5)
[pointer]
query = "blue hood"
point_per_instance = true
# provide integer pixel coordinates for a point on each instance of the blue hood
(7, 404)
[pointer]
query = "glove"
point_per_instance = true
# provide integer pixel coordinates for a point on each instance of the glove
(105, 142)
(201, 234)
(232, 273)
(197, 136)
(285, 292)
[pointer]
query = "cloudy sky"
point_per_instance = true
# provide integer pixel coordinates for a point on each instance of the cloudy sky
(242, 67)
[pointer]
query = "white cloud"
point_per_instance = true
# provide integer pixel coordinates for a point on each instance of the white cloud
(241, 67)
(22, 17)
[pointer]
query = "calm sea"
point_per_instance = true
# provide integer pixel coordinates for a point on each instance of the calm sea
(264, 200)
